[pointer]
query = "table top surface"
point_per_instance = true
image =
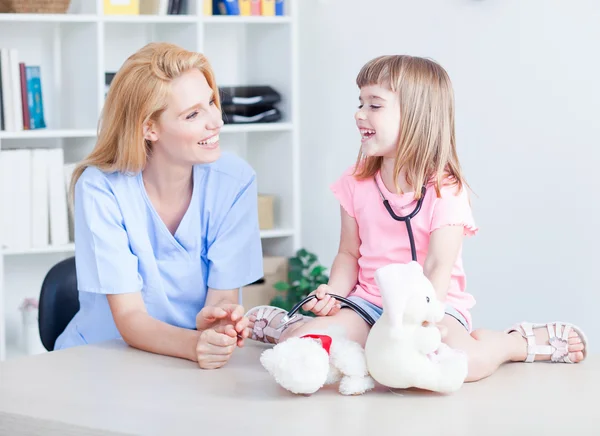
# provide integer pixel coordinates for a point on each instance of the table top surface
(111, 388)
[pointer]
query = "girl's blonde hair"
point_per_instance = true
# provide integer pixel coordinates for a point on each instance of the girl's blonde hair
(138, 94)
(426, 148)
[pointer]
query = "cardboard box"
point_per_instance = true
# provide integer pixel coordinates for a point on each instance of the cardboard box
(275, 269)
(121, 7)
(266, 219)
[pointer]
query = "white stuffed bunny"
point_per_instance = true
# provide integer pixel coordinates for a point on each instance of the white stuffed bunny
(402, 351)
(303, 365)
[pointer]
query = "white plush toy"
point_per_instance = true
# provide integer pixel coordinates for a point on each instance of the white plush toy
(404, 348)
(303, 365)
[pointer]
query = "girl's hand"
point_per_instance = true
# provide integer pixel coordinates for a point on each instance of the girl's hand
(214, 349)
(323, 305)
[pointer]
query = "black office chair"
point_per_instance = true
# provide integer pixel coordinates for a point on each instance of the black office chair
(59, 301)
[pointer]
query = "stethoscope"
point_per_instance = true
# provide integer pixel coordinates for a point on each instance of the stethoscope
(406, 219)
(413, 251)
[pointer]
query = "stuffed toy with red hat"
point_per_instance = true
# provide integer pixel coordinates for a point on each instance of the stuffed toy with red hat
(303, 365)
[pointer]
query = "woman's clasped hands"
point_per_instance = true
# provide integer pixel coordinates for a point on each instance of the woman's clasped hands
(222, 328)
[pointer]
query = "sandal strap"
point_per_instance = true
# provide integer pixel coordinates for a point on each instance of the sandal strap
(263, 331)
(558, 340)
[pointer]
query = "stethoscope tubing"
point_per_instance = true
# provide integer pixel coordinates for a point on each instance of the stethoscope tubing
(406, 218)
(413, 251)
(363, 313)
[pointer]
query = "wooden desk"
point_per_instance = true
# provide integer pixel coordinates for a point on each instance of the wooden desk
(113, 389)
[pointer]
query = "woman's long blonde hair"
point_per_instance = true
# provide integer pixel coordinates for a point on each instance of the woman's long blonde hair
(426, 148)
(138, 94)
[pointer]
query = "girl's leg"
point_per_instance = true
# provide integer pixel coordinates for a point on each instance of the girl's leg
(355, 327)
(264, 325)
(487, 349)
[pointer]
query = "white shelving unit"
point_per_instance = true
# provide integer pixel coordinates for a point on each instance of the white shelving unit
(74, 50)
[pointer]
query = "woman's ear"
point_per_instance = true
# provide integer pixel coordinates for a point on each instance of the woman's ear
(150, 131)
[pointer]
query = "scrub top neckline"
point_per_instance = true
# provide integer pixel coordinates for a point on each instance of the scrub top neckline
(171, 236)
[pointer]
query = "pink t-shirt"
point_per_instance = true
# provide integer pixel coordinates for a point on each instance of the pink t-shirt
(384, 240)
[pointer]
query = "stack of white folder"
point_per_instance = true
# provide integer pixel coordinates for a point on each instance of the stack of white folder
(33, 199)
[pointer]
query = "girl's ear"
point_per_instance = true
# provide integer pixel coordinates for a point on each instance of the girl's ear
(150, 133)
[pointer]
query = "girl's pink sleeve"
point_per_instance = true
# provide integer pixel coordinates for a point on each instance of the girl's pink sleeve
(453, 208)
(343, 189)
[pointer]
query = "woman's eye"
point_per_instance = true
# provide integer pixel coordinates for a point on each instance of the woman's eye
(192, 115)
(375, 107)
(360, 106)
(212, 102)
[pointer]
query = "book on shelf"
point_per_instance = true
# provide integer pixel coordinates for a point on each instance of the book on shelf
(163, 7)
(244, 7)
(207, 7)
(121, 7)
(33, 199)
(268, 7)
(279, 10)
(21, 101)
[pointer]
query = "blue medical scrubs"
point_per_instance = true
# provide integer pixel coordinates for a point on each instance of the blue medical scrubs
(122, 245)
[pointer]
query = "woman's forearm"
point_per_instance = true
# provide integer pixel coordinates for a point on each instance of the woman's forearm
(344, 273)
(142, 331)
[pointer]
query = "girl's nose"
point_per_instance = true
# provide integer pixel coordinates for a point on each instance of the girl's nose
(359, 115)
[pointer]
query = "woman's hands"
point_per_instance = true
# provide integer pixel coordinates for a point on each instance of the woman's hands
(222, 328)
(323, 305)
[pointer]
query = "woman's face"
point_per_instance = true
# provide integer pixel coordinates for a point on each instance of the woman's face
(187, 131)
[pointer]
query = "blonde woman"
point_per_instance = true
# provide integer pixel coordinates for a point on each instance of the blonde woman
(166, 227)
(408, 157)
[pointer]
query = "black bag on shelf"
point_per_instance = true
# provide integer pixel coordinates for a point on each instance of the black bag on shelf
(248, 95)
(234, 114)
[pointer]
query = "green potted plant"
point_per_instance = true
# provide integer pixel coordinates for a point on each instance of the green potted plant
(305, 274)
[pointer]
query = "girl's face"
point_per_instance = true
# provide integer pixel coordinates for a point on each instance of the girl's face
(378, 120)
(187, 131)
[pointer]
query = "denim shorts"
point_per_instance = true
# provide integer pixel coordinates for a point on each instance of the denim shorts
(376, 311)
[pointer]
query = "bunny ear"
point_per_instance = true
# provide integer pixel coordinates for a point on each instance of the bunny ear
(394, 282)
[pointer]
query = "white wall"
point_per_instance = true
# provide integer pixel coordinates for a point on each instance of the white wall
(525, 75)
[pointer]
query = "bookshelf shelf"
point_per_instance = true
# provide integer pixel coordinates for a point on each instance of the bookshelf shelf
(49, 18)
(74, 51)
(93, 18)
(88, 133)
(48, 133)
(262, 127)
(50, 249)
(276, 233)
(216, 19)
(149, 19)
(69, 248)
